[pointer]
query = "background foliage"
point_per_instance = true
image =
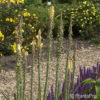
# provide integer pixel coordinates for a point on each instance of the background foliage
(86, 21)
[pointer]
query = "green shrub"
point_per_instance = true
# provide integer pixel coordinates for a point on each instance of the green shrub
(86, 17)
(96, 40)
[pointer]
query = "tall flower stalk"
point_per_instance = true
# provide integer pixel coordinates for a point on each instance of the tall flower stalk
(69, 62)
(74, 68)
(19, 72)
(51, 14)
(39, 75)
(25, 54)
(32, 70)
(58, 55)
(39, 44)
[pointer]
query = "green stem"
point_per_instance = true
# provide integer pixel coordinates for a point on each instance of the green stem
(57, 73)
(66, 81)
(32, 74)
(46, 82)
(24, 75)
(39, 78)
(74, 68)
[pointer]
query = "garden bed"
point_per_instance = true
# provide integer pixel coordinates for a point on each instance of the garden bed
(87, 55)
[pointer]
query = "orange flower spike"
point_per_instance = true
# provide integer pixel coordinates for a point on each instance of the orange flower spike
(70, 64)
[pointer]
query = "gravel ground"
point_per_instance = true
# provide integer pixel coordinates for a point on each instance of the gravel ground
(87, 55)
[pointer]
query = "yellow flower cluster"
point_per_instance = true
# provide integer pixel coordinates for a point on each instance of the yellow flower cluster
(1, 36)
(10, 20)
(12, 1)
(14, 47)
(26, 14)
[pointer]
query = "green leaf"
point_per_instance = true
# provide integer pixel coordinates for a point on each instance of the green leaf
(89, 81)
(97, 87)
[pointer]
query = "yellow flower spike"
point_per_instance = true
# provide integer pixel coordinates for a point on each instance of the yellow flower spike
(37, 41)
(41, 45)
(37, 36)
(24, 52)
(1, 35)
(33, 42)
(51, 12)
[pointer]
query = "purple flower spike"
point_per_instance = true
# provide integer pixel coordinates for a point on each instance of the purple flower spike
(80, 92)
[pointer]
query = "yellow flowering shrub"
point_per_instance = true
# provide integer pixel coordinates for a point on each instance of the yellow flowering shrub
(9, 19)
(12, 1)
(85, 17)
